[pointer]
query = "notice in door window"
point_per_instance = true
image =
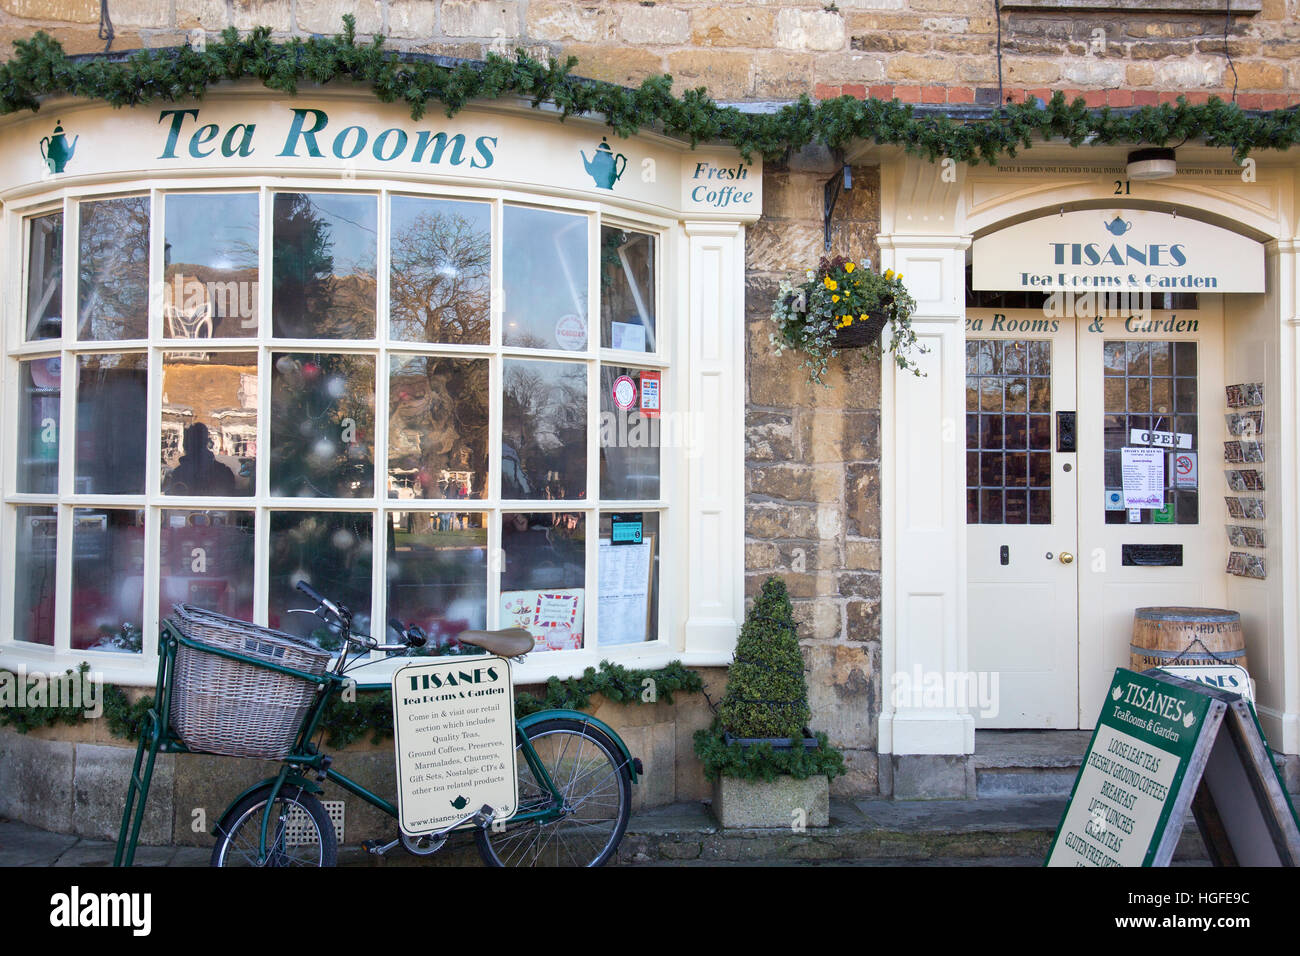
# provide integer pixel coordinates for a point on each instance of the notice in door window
(1144, 477)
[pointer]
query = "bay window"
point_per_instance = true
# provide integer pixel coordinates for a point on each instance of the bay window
(443, 409)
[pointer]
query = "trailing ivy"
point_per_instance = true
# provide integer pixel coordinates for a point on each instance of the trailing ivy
(762, 761)
(41, 68)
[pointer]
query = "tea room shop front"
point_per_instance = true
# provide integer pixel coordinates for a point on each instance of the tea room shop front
(467, 372)
(1122, 354)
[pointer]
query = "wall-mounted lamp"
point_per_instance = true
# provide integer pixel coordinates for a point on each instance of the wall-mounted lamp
(1151, 164)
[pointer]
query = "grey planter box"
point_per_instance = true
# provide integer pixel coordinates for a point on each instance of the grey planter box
(740, 804)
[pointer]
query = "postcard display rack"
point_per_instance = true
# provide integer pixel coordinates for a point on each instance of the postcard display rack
(1243, 456)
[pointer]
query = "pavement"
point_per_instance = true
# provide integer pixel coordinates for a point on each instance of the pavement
(1001, 831)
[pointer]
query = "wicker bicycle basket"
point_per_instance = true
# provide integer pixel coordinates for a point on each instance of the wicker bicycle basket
(223, 706)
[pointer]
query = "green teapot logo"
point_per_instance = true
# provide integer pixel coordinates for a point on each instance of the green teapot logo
(605, 167)
(56, 150)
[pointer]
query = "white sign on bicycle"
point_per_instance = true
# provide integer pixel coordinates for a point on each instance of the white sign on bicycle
(454, 733)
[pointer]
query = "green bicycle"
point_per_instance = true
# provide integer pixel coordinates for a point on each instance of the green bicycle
(575, 773)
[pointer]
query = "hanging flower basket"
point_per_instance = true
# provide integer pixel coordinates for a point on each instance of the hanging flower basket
(841, 305)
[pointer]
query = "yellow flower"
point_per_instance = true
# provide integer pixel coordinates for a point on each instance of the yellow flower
(835, 298)
(889, 273)
(863, 317)
(830, 283)
(848, 320)
(848, 267)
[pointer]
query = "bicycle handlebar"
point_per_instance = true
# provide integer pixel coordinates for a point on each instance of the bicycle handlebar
(412, 635)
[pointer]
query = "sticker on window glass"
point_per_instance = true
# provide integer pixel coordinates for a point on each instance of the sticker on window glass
(650, 394)
(625, 529)
(553, 617)
(1185, 469)
(1114, 499)
(571, 333)
(624, 392)
(1164, 515)
(629, 336)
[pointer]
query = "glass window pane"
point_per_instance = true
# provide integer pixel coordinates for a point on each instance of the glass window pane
(38, 426)
(207, 560)
(107, 579)
(331, 551)
(440, 277)
(323, 266)
(628, 607)
(543, 583)
(629, 441)
(210, 275)
(34, 569)
(112, 399)
(209, 423)
(113, 269)
(322, 425)
(45, 277)
(437, 427)
(545, 279)
(437, 576)
(627, 290)
(544, 430)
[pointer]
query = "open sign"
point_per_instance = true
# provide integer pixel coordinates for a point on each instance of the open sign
(1153, 439)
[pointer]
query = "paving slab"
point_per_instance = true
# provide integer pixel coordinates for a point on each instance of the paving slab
(1030, 748)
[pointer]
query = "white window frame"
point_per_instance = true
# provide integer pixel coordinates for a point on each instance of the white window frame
(672, 333)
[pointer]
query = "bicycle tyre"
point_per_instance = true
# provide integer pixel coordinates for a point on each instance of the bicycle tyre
(239, 830)
(577, 756)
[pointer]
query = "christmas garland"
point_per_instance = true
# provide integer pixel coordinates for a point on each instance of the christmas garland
(372, 712)
(40, 68)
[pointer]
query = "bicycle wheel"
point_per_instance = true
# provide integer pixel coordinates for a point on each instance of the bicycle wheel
(596, 786)
(300, 832)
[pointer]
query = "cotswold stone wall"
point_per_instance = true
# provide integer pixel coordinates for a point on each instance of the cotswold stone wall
(812, 465)
(931, 51)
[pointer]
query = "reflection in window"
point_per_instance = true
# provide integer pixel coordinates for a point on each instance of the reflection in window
(331, 551)
(543, 583)
(107, 579)
(322, 425)
(437, 575)
(113, 269)
(210, 266)
(544, 430)
(38, 426)
(545, 278)
(1008, 432)
(629, 441)
(34, 570)
(628, 610)
(112, 403)
(1150, 386)
(323, 267)
(627, 290)
(45, 277)
(437, 427)
(207, 560)
(440, 276)
(209, 423)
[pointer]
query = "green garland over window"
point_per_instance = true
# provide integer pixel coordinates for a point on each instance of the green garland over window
(41, 68)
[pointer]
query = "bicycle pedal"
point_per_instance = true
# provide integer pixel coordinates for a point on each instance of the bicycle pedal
(378, 847)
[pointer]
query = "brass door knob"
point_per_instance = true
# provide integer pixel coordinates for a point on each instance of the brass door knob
(1065, 557)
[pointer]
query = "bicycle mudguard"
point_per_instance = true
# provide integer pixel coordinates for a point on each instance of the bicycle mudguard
(292, 779)
(632, 764)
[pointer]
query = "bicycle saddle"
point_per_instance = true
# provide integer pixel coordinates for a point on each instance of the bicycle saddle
(510, 642)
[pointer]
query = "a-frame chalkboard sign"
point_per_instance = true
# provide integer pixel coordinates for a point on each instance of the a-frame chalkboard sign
(1163, 746)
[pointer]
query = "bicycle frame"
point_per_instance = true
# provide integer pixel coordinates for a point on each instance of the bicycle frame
(305, 759)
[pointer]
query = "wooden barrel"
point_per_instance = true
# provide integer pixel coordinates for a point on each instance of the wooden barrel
(1186, 635)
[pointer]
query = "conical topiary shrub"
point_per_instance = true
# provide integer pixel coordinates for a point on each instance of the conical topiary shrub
(767, 695)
